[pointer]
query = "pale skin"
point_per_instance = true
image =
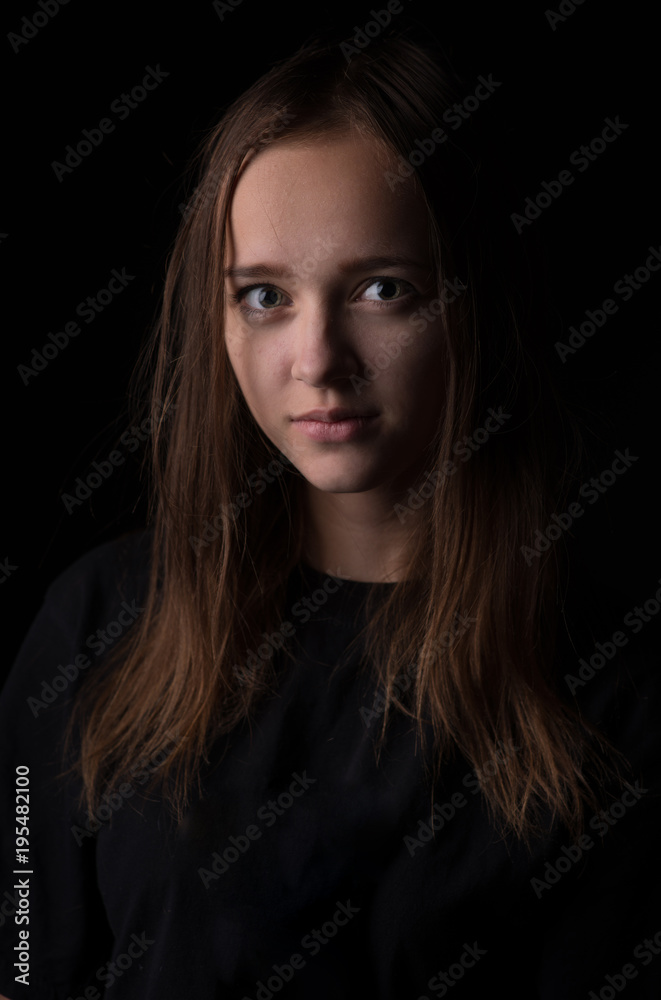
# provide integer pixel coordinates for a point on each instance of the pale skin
(319, 212)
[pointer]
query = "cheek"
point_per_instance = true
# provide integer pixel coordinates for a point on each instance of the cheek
(423, 389)
(419, 365)
(258, 374)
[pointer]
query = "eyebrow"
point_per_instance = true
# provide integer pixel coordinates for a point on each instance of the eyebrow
(348, 267)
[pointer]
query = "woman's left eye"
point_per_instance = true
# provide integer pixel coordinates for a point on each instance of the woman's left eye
(387, 290)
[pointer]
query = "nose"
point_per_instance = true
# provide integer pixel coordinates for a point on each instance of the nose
(324, 349)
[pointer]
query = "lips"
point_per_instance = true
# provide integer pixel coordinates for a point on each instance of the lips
(338, 426)
(332, 416)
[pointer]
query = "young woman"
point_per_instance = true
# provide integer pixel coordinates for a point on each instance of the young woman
(312, 733)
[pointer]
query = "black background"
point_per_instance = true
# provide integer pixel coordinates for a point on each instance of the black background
(119, 209)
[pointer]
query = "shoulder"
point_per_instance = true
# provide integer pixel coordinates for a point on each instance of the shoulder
(106, 568)
(86, 609)
(107, 581)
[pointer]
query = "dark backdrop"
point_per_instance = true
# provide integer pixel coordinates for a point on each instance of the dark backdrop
(117, 210)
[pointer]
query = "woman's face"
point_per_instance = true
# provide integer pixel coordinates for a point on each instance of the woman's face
(329, 264)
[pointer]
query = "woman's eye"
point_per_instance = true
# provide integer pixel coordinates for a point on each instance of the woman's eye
(387, 290)
(260, 298)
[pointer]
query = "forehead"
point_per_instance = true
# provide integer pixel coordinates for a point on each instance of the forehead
(343, 191)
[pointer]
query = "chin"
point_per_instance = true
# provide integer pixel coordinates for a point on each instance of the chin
(357, 480)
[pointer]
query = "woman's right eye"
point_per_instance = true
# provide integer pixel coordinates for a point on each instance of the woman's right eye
(258, 298)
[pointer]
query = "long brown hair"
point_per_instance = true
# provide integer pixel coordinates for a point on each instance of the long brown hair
(219, 568)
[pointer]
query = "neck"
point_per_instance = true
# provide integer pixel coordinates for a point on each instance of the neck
(355, 535)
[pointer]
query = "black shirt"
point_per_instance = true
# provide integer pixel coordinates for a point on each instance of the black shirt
(306, 869)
